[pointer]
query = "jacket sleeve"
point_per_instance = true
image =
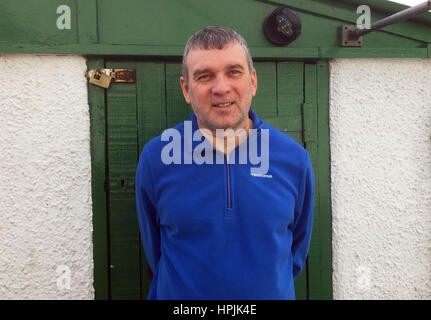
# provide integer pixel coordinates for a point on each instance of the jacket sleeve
(303, 223)
(147, 215)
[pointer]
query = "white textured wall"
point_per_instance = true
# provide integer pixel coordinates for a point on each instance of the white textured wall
(380, 127)
(45, 180)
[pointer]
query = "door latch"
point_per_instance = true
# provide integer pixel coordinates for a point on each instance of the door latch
(104, 77)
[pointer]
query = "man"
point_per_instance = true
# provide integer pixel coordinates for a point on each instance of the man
(217, 229)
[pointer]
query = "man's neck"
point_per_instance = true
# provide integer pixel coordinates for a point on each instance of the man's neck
(226, 140)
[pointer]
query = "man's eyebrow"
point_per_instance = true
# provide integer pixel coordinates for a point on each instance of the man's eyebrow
(236, 66)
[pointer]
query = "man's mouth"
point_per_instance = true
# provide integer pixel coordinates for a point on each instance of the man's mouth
(222, 105)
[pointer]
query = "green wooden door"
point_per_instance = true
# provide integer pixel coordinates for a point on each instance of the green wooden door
(286, 98)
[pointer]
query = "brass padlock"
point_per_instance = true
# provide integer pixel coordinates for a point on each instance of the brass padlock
(100, 77)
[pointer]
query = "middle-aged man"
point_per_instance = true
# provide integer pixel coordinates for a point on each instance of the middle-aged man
(213, 224)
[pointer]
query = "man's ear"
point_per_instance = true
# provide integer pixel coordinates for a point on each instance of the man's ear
(254, 82)
(185, 89)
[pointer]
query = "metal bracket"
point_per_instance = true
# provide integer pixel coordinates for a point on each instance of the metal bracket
(347, 38)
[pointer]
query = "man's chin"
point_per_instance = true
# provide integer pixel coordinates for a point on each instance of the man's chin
(224, 125)
(220, 123)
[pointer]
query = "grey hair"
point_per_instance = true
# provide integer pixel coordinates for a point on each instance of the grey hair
(214, 37)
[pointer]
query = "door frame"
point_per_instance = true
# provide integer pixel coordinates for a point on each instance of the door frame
(318, 115)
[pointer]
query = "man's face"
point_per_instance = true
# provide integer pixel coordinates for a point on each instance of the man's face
(220, 87)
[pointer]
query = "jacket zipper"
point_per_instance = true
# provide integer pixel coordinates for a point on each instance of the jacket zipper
(229, 204)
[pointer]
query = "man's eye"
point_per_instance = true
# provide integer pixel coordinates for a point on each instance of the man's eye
(203, 77)
(235, 72)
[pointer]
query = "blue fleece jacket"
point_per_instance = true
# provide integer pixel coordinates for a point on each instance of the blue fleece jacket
(220, 231)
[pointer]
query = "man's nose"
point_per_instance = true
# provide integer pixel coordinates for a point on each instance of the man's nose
(221, 86)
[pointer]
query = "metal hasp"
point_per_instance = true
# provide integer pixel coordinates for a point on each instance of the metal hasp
(351, 35)
(104, 77)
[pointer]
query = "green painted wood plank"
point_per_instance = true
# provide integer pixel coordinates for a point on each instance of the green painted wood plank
(301, 282)
(311, 143)
(136, 50)
(336, 52)
(316, 136)
(96, 102)
(301, 285)
(87, 21)
(290, 94)
(122, 203)
(283, 52)
(297, 135)
(284, 124)
(179, 20)
(122, 126)
(288, 89)
(287, 117)
(26, 21)
(92, 49)
(265, 101)
(151, 99)
(176, 107)
(324, 182)
(257, 53)
(146, 276)
(123, 150)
